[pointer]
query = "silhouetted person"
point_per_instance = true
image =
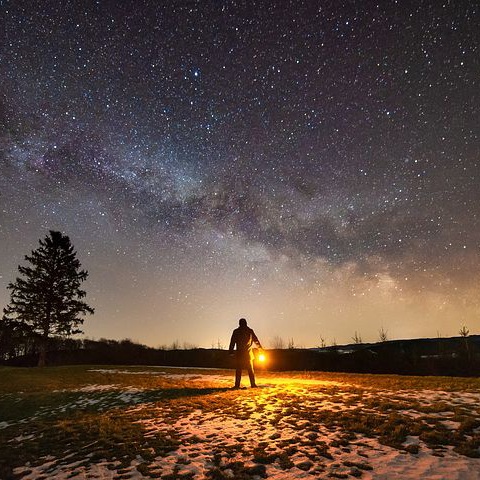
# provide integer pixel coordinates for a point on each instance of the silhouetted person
(243, 338)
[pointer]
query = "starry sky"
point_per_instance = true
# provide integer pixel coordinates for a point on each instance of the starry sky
(312, 166)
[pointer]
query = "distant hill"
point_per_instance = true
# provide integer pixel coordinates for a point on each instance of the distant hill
(456, 356)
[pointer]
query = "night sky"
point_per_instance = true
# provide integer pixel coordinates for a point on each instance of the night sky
(312, 166)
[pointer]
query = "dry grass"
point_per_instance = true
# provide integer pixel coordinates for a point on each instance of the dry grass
(51, 413)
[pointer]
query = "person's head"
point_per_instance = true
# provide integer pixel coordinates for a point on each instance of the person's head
(242, 322)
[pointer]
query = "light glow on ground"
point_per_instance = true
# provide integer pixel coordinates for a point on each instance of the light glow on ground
(293, 426)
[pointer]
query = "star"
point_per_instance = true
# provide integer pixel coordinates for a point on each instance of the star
(280, 161)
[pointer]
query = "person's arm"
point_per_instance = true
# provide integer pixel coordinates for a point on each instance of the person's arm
(233, 340)
(256, 340)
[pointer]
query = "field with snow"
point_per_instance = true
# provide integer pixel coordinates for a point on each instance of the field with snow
(170, 423)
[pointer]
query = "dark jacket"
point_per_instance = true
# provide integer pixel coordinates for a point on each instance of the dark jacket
(243, 338)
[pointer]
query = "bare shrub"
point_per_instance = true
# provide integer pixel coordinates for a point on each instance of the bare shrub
(357, 338)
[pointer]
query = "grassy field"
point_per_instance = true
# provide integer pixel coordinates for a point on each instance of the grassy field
(140, 422)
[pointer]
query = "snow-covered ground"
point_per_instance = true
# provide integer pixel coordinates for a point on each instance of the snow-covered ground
(288, 428)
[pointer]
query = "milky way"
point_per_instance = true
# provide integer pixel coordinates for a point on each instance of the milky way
(312, 166)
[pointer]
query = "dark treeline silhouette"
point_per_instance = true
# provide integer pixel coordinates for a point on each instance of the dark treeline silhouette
(454, 356)
(63, 351)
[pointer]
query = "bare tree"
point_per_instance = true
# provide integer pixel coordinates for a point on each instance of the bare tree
(291, 344)
(277, 343)
(218, 345)
(323, 343)
(357, 338)
(440, 344)
(382, 335)
(464, 332)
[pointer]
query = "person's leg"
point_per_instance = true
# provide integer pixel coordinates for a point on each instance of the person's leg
(238, 371)
(238, 376)
(251, 373)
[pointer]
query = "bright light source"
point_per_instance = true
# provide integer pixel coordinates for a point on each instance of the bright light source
(261, 357)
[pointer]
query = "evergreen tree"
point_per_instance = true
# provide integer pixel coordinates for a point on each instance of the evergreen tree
(48, 300)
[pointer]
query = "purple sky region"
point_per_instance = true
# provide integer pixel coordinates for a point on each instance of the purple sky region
(311, 166)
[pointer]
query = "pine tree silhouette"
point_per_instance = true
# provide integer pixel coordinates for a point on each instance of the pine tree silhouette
(47, 300)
